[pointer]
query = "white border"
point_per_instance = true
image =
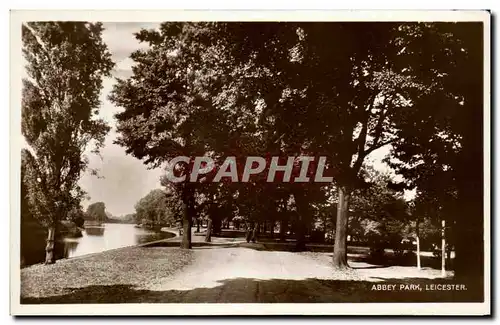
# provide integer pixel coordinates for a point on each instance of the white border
(17, 16)
(248, 15)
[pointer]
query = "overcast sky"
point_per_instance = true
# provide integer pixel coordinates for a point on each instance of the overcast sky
(125, 179)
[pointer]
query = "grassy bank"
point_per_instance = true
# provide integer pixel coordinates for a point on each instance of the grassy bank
(131, 266)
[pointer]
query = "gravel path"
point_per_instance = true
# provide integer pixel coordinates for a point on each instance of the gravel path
(212, 266)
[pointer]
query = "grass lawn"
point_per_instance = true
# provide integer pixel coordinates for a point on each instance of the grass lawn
(135, 266)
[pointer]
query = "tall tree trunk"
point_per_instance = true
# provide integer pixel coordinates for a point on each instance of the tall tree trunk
(417, 233)
(248, 233)
(216, 225)
(283, 226)
(300, 235)
(187, 214)
(469, 227)
(302, 210)
(325, 228)
(198, 225)
(253, 237)
(469, 232)
(208, 236)
(50, 249)
(340, 247)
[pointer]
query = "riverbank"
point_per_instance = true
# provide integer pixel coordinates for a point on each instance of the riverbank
(129, 266)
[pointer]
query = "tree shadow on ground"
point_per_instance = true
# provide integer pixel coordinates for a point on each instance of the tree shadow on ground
(357, 254)
(249, 290)
(193, 244)
(289, 246)
(390, 259)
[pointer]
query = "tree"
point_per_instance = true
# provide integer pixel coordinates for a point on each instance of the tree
(262, 88)
(77, 216)
(442, 148)
(368, 95)
(97, 212)
(378, 212)
(169, 108)
(66, 62)
(158, 208)
(352, 89)
(215, 200)
(130, 218)
(200, 90)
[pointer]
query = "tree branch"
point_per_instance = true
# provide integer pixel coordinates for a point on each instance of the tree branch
(379, 127)
(378, 146)
(383, 113)
(361, 140)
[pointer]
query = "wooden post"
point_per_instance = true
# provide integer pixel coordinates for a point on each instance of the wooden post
(443, 249)
(417, 232)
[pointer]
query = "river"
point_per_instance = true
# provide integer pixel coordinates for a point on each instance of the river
(94, 240)
(110, 236)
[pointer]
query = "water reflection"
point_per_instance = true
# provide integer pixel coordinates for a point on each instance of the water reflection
(94, 231)
(68, 246)
(98, 239)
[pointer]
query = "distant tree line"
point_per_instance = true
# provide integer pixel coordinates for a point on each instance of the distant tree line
(158, 208)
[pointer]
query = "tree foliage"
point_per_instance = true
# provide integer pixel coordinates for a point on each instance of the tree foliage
(97, 212)
(60, 99)
(158, 208)
(441, 147)
(66, 62)
(378, 212)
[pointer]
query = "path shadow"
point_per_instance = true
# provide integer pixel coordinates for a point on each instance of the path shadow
(249, 290)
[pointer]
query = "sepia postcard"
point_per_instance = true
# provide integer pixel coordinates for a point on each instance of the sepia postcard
(250, 163)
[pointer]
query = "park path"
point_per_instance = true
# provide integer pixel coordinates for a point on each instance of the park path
(213, 265)
(210, 274)
(247, 275)
(242, 274)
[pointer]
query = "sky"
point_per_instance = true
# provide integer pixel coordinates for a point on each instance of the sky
(123, 179)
